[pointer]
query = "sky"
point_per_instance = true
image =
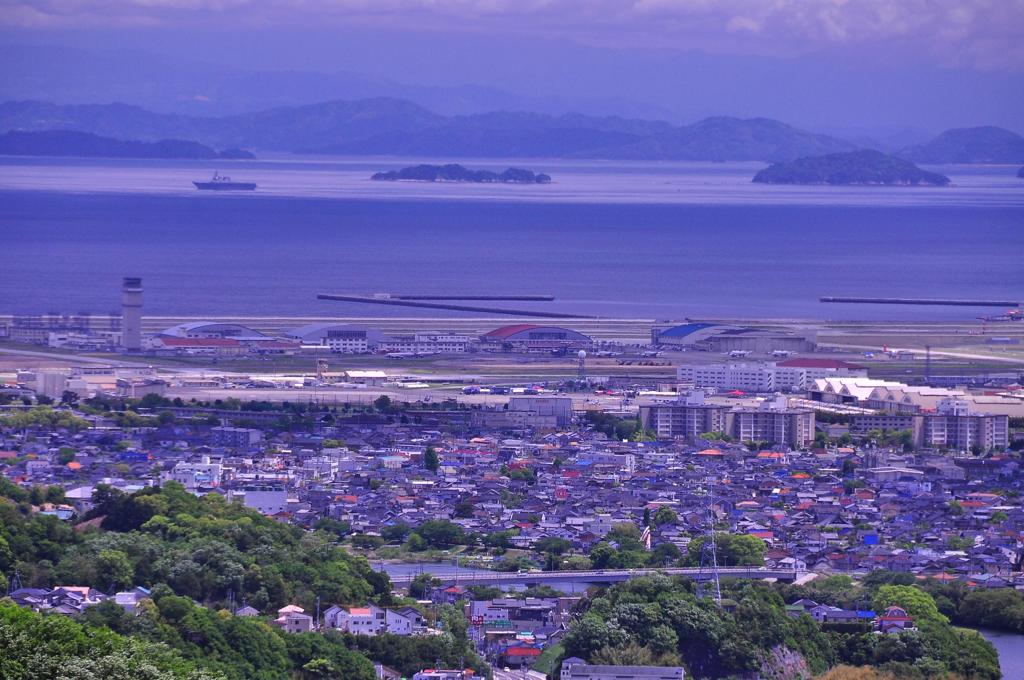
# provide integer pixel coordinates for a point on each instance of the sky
(830, 64)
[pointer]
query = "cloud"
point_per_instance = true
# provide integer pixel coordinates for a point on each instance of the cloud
(987, 33)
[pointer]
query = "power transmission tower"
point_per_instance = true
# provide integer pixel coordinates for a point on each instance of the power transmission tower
(15, 583)
(707, 578)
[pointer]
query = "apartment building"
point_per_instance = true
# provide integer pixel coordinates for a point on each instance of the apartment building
(773, 421)
(765, 376)
(954, 425)
(687, 418)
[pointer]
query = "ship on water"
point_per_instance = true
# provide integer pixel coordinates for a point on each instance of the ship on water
(224, 183)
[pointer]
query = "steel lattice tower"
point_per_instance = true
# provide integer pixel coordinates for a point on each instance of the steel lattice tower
(707, 578)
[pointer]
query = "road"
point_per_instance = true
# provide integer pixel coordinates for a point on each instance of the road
(936, 353)
(75, 358)
(69, 356)
(599, 575)
(501, 674)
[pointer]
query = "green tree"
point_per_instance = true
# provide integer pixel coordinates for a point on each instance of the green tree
(603, 556)
(464, 508)
(65, 455)
(553, 545)
(367, 541)
(422, 584)
(395, 533)
(440, 533)
(916, 602)
(116, 568)
(732, 550)
(665, 515)
(1001, 608)
(665, 555)
(626, 535)
(430, 459)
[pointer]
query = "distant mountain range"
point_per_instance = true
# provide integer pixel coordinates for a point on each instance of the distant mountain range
(866, 167)
(88, 145)
(985, 144)
(401, 128)
(386, 126)
(201, 88)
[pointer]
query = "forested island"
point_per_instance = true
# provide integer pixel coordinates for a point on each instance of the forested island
(87, 145)
(458, 173)
(865, 168)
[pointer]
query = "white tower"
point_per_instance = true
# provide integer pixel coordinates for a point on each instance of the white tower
(131, 314)
(581, 367)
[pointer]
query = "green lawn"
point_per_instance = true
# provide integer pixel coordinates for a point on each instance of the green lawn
(548, 658)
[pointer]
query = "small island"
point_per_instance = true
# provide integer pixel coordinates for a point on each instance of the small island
(855, 168)
(457, 173)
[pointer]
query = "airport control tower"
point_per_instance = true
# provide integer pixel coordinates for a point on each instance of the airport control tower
(131, 314)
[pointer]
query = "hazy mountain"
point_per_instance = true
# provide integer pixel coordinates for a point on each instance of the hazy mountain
(723, 138)
(175, 85)
(985, 144)
(864, 167)
(88, 145)
(399, 127)
(301, 128)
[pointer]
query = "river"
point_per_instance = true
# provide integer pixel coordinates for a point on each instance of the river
(1011, 651)
(448, 570)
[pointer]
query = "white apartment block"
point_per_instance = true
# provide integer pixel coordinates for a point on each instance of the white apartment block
(765, 376)
(954, 425)
(775, 422)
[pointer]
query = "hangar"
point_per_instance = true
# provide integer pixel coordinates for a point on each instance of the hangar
(533, 337)
(715, 337)
(210, 329)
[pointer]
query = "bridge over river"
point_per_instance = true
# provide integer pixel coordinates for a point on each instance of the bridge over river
(478, 577)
